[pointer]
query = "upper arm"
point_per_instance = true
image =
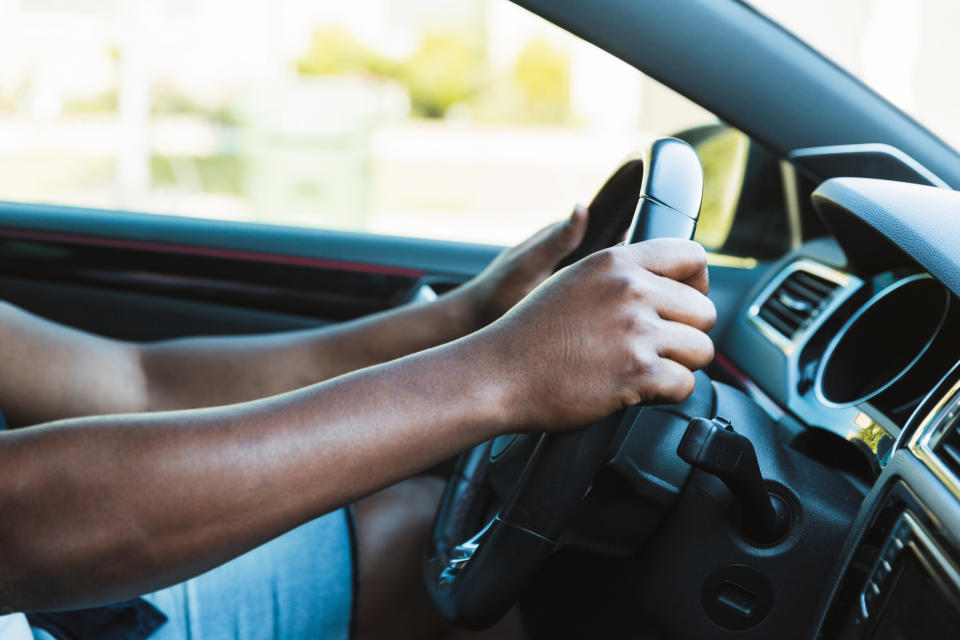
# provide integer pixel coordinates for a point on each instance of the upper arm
(49, 371)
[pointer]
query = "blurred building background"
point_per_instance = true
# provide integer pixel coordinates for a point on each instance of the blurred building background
(459, 119)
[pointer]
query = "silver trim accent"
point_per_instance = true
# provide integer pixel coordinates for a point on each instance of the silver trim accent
(925, 549)
(947, 569)
(933, 424)
(792, 198)
(847, 285)
(461, 554)
(424, 293)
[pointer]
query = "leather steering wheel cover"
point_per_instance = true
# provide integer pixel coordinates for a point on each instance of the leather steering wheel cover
(479, 586)
(517, 541)
(464, 499)
(611, 211)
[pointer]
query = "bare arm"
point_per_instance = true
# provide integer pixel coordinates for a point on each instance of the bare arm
(49, 372)
(102, 508)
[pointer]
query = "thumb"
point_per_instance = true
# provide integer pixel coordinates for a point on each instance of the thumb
(560, 238)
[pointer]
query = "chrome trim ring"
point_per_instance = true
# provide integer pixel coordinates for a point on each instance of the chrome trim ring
(852, 321)
(933, 424)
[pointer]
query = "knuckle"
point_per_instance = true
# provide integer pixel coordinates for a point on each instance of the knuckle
(707, 350)
(682, 388)
(650, 252)
(622, 287)
(639, 324)
(643, 288)
(686, 385)
(643, 361)
(628, 398)
(698, 255)
(635, 287)
(709, 313)
(605, 260)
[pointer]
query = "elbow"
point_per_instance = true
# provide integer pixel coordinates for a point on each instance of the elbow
(30, 579)
(15, 574)
(10, 599)
(32, 541)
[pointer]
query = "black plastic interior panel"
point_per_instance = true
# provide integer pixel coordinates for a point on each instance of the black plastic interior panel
(323, 292)
(407, 256)
(880, 224)
(762, 229)
(938, 504)
(728, 288)
(127, 315)
(862, 161)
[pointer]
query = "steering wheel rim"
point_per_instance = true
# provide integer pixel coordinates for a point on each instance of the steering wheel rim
(475, 582)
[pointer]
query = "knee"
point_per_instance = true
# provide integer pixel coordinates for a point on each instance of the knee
(403, 511)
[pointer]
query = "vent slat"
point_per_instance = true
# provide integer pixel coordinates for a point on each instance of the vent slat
(797, 300)
(778, 311)
(825, 287)
(946, 446)
(794, 317)
(777, 323)
(952, 458)
(803, 292)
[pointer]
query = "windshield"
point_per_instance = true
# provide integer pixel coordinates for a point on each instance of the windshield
(906, 50)
(469, 120)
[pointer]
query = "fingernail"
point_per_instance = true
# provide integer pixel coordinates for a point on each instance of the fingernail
(578, 211)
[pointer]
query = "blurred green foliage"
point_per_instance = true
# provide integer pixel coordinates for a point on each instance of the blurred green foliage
(168, 101)
(335, 50)
(543, 74)
(105, 102)
(216, 174)
(724, 159)
(445, 70)
(449, 68)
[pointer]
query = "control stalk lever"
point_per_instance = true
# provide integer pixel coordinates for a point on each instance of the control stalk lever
(713, 446)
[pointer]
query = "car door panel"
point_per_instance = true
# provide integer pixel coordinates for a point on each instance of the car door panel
(147, 277)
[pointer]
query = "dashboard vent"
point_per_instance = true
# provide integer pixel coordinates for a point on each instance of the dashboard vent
(947, 448)
(796, 302)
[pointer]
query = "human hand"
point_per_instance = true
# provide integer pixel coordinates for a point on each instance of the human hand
(622, 326)
(518, 270)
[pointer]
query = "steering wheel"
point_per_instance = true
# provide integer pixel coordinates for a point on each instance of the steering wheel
(479, 561)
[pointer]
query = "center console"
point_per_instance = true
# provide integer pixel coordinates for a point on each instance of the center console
(901, 577)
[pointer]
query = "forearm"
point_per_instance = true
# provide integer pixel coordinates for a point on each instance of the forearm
(206, 372)
(51, 372)
(100, 509)
(211, 371)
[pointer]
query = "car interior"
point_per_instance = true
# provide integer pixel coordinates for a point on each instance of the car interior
(810, 486)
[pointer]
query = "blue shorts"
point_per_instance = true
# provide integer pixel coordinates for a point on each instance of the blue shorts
(300, 585)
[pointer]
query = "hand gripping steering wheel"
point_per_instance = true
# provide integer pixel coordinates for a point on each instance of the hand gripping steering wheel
(479, 558)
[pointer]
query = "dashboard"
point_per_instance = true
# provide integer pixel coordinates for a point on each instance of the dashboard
(857, 336)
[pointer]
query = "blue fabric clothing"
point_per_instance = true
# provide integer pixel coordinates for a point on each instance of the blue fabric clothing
(134, 619)
(299, 585)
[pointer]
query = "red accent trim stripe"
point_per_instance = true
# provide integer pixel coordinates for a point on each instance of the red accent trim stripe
(731, 368)
(759, 395)
(209, 252)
